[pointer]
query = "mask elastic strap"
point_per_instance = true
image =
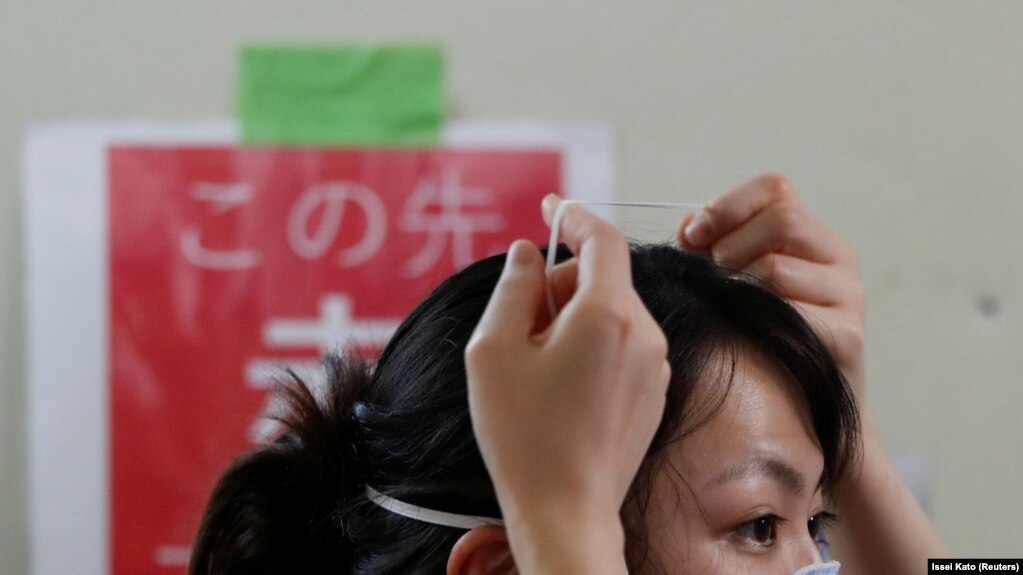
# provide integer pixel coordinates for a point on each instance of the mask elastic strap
(432, 516)
(556, 226)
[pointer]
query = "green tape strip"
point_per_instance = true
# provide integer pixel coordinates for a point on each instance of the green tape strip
(348, 95)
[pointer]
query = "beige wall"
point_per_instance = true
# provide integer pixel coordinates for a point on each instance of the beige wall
(901, 126)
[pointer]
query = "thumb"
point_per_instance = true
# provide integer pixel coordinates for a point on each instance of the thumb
(519, 296)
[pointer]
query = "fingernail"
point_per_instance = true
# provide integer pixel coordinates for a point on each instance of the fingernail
(517, 253)
(696, 231)
(549, 204)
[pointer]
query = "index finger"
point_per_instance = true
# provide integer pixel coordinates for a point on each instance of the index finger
(601, 249)
(513, 307)
(730, 210)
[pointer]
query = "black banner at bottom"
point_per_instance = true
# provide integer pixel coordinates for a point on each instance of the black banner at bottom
(936, 566)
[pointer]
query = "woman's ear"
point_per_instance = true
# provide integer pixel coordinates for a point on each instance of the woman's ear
(482, 551)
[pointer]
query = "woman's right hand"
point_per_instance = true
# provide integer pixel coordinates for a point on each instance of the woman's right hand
(565, 410)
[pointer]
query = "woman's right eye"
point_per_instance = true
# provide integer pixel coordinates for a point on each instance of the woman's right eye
(760, 532)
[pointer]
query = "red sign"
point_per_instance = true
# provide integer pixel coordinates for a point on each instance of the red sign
(228, 264)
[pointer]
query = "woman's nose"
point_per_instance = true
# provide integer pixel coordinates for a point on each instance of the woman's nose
(801, 553)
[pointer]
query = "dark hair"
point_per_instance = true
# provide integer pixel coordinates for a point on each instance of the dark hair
(297, 505)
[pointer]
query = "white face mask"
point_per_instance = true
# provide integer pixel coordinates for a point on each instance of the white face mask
(445, 519)
(829, 568)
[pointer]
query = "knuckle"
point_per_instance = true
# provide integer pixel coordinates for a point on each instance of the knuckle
(791, 218)
(790, 221)
(660, 344)
(856, 340)
(617, 321)
(777, 187)
(654, 342)
(858, 295)
(481, 348)
(851, 336)
(608, 321)
(851, 255)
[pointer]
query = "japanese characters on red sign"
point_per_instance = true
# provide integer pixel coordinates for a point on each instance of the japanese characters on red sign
(228, 264)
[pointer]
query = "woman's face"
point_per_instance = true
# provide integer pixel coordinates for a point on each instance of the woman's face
(742, 493)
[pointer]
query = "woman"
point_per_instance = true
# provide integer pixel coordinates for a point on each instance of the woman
(573, 453)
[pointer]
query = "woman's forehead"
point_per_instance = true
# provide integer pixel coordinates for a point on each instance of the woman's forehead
(760, 419)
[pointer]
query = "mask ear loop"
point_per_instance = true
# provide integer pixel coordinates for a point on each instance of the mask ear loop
(431, 516)
(552, 254)
(559, 212)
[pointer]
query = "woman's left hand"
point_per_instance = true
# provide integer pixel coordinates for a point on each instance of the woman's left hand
(763, 229)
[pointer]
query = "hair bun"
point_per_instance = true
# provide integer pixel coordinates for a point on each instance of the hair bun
(291, 493)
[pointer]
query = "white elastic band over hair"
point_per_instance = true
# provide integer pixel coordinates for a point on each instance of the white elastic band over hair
(432, 516)
(552, 245)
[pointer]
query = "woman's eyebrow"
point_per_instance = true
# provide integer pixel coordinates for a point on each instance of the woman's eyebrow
(776, 469)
